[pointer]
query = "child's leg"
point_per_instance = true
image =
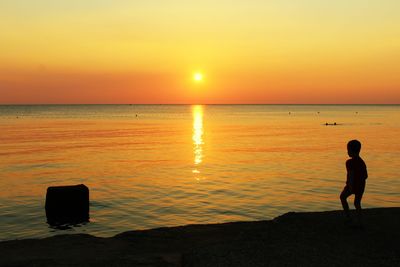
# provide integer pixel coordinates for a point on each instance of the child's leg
(357, 202)
(357, 205)
(357, 199)
(343, 198)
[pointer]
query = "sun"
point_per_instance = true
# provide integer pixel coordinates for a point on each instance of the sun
(198, 76)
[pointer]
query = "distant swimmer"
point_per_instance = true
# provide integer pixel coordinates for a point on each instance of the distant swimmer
(136, 115)
(331, 124)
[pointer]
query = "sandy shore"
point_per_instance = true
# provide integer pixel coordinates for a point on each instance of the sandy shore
(293, 239)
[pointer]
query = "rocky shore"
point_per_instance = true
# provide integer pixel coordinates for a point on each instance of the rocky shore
(293, 239)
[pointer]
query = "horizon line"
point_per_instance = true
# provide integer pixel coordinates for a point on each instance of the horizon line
(204, 104)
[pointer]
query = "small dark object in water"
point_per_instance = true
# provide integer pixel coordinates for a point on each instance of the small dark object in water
(331, 124)
(67, 204)
(290, 113)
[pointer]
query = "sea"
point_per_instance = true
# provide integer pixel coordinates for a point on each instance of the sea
(149, 166)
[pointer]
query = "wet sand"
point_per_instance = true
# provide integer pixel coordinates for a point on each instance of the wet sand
(293, 239)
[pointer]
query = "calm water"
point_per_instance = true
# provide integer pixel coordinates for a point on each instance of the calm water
(176, 165)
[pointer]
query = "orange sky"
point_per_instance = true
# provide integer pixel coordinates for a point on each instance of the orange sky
(249, 52)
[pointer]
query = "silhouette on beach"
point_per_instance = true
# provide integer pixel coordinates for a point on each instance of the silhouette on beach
(356, 179)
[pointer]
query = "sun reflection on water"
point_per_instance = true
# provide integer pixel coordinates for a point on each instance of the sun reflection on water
(197, 136)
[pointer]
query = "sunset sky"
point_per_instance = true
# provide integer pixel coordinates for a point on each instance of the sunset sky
(282, 51)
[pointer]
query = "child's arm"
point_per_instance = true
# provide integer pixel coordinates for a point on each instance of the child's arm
(350, 178)
(350, 175)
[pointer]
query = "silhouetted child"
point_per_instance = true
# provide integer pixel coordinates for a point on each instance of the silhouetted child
(356, 176)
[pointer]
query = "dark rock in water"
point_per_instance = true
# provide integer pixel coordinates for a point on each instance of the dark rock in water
(67, 204)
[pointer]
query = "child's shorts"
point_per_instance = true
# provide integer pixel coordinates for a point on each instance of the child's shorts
(358, 189)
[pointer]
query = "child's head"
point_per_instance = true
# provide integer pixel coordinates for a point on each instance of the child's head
(353, 148)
